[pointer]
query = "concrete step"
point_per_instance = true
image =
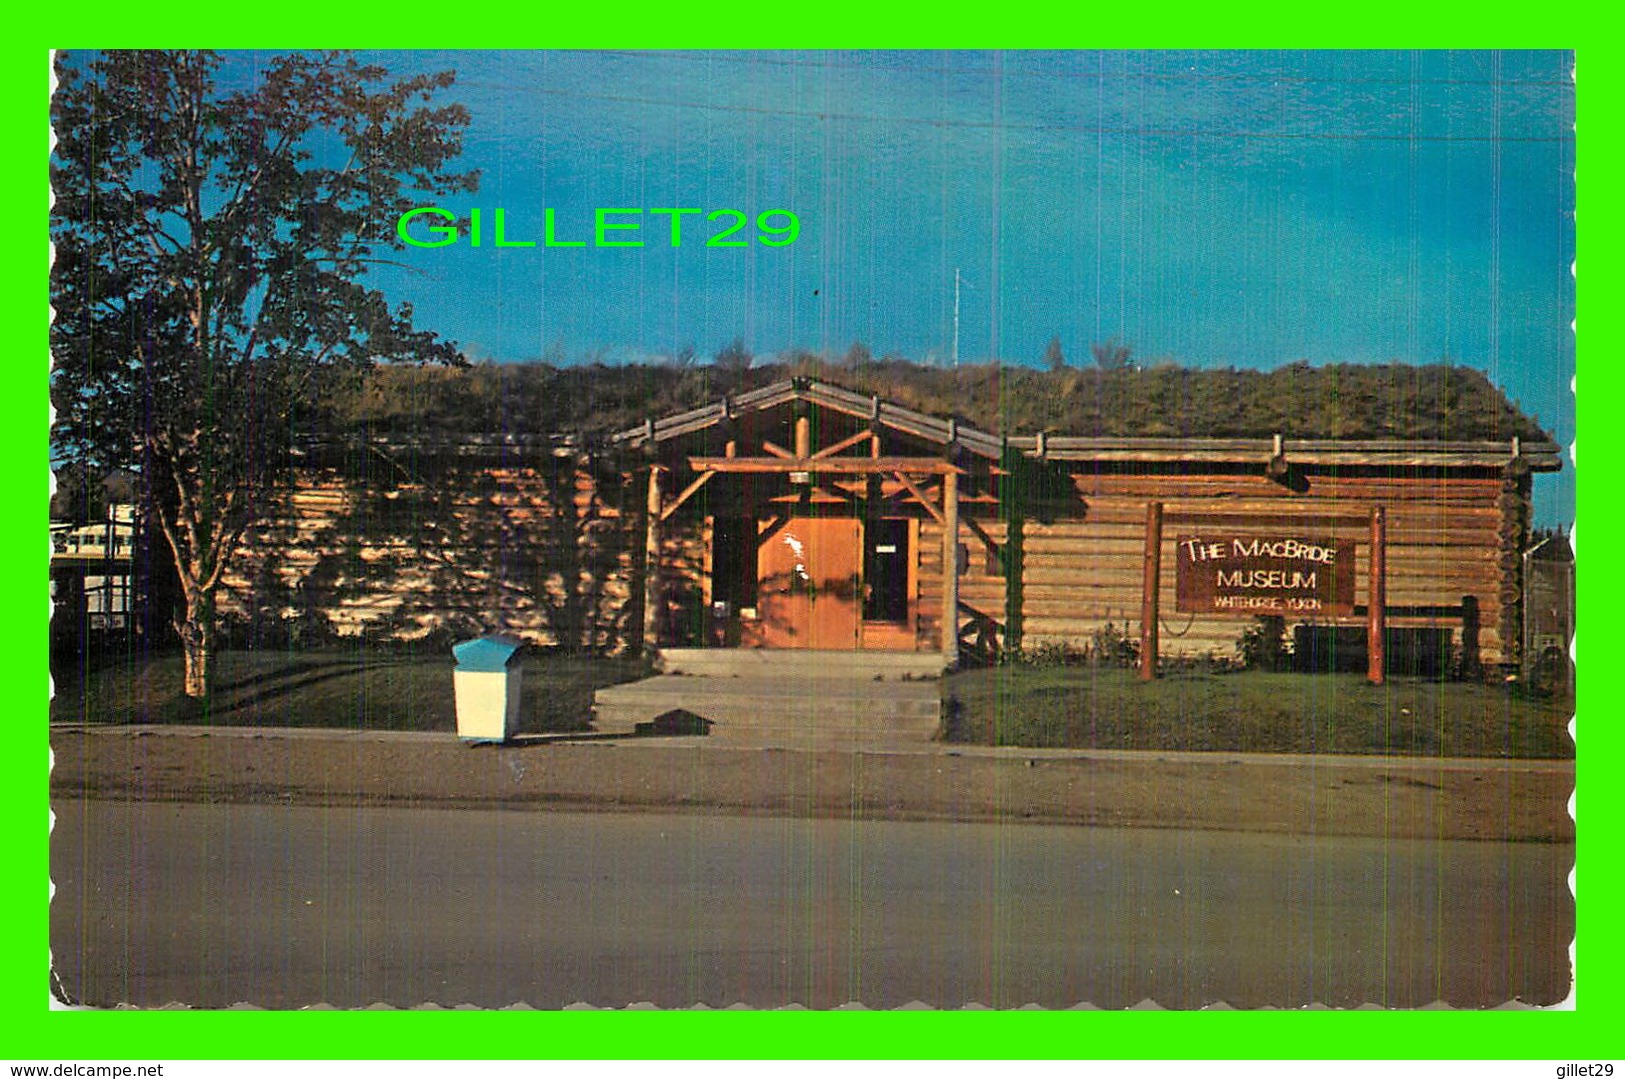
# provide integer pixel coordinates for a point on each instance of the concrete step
(856, 665)
(801, 696)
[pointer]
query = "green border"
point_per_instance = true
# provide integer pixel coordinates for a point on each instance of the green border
(1590, 1032)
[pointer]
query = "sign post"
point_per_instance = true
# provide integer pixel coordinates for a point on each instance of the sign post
(1377, 596)
(1266, 567)
(1148, 594)
(950, 570)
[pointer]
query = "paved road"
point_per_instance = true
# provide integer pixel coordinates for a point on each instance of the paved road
(286, 906)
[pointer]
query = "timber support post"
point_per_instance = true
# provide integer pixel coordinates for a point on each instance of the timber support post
(1377, 598)
(1149, 589)
(1012, 509)
(950, 570)
(651, 565)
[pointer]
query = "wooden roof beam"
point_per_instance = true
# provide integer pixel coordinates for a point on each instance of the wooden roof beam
(934, 466)
(1307, 520)
(981, 534)
(687, 492)
(919, 496)
(843, 444)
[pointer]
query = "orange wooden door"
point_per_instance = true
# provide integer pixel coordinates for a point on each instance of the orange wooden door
(810, 584)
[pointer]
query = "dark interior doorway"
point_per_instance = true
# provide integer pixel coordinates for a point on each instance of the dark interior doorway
(885, 571)
(733, 562)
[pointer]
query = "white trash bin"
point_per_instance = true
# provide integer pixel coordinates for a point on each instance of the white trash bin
(487, 683)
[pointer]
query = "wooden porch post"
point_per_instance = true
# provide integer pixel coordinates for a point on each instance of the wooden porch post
(1377, 597)
(651, 565)
(950, 570)
(1011, 507)
(1149, 589)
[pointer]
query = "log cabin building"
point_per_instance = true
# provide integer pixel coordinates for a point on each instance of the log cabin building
(802, 516)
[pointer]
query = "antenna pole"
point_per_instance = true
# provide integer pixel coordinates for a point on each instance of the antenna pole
(956, 316)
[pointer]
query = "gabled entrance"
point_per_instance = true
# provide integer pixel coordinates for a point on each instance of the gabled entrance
(803, 517)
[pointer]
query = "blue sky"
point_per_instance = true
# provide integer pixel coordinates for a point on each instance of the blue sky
(1215, 209)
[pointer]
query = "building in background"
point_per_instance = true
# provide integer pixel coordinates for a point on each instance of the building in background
(1548, 609)
(91, 579)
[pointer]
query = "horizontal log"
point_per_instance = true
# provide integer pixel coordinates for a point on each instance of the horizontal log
(1189, 452)
(1083, 597)
(1221, 519)
(1483, 533)
(1318, 482)
(1123, 508)
(992, 602)
(1061, 587)
(825, 465)
(1086, 603)
(1471, 528)
(1115, 559)
(1181, 627)
(1438, 545)
(932, 570)
(977, 570)
(1082, 626)
(1054, 598)
(930, 529)
(1042, 550)
(1128, 582)
(1130, 514)
(1466, 528)
(1087, 624)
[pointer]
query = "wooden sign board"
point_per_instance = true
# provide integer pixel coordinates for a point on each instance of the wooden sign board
(1264, 574)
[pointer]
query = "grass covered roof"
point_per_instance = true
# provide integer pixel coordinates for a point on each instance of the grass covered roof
(1389, 401)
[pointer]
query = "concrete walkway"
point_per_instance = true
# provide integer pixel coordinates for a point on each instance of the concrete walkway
(786, 698)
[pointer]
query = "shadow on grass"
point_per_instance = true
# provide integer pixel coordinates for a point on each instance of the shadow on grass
(288, 671)
(346, 690)
(280, 684)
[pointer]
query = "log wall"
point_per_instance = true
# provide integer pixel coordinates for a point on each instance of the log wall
(685, 582)
(981, 586)
(538, 552)
(554, 554)
(1447, 538)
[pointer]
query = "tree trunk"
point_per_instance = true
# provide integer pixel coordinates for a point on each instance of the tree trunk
(196, 629)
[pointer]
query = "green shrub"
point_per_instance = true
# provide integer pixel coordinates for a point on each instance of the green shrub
(1262, 645)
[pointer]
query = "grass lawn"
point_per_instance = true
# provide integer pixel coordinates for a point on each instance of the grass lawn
(1017, 706)
(342, 688)
(1250, 711)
